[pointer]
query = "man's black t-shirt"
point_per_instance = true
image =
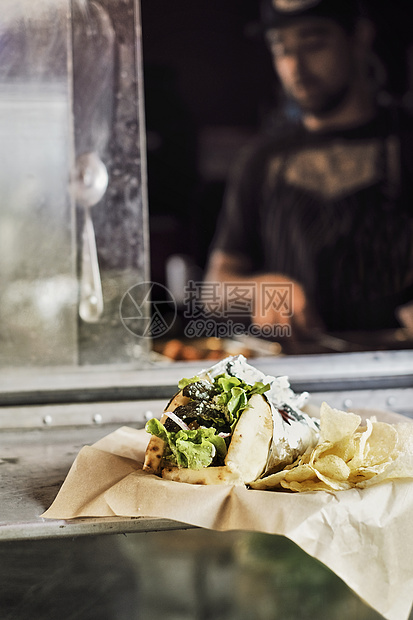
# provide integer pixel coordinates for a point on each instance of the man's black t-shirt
(333, 211)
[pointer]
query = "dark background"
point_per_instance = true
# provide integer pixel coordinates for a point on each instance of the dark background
(209, 86)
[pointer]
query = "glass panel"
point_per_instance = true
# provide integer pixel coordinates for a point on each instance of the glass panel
(38, 287)
(70, 100)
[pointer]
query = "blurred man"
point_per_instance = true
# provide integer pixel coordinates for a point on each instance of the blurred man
(324, 210)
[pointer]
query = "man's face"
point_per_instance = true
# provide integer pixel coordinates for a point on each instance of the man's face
(315, 62)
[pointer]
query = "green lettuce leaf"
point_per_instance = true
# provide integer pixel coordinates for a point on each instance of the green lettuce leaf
(184, 382)
(194, 449)
(235, 395)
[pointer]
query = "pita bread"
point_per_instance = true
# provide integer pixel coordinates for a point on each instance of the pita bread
(247, 453)
(250, 443)
(206, 475)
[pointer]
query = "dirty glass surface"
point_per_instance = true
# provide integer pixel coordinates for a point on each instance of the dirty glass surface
(70, 86)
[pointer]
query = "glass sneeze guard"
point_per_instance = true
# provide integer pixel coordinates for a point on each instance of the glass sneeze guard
(71, 85)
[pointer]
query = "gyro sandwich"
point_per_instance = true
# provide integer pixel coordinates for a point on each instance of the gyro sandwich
(231, 424)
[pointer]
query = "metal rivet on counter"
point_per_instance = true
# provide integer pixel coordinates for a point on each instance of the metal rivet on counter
(347, 403)
(148, 415)
(391, 401)
(97, 418)
(47, 420)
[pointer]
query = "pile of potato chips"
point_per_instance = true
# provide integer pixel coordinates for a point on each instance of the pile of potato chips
(348, 455)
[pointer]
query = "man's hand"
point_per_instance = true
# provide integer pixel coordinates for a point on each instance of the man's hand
(276, 298)
(280, 300)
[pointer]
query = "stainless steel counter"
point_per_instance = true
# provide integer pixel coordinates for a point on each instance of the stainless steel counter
(33, 465)
(46, 418)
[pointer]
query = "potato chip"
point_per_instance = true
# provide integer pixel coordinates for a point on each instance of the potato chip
(336, 424)
(294, 472)
(359, 477)
(402, 464)
(307, 485)
(299, 473)
(326, 447)
(332, 466)
(381, 444)
(269, 482)
(332, 483)
(305, 458)
(360, 446)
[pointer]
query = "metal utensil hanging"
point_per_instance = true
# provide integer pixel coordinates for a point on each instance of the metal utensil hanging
(91, 182)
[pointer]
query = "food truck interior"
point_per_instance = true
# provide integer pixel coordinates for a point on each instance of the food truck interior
(119, 123)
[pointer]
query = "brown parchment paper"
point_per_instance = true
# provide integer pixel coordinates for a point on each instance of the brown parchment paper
(364, 535)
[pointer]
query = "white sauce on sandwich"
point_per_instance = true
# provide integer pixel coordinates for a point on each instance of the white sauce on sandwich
(294, 431)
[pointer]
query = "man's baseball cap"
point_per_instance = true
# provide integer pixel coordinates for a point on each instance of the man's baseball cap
(279, 13)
